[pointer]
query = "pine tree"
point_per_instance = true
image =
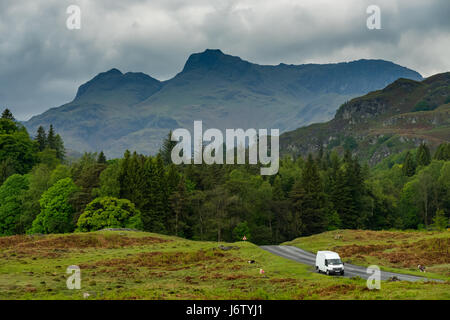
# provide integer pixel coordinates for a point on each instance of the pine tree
(423, 156)
(155, 209)
(8, 115)
(41, 138)
(101, 158)
(297, 196)
(146, 211)
(123, 171)
(133, 179)
(173, 178)
(320, 156)
(409, 165)
(309, 199)
(166, 150)
(51, 139)
(358, 192)
(443, 152)
(59, 148)
(333, 172)
(348, 193)
(282, 215)
(160, 191)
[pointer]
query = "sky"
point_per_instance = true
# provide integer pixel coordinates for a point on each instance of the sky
(42, 62)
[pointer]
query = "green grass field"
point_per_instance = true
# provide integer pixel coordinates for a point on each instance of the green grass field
(139, 265)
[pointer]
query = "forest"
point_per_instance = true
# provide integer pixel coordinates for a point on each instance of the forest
(44, 191)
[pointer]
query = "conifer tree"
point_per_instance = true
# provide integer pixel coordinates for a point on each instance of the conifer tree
(101, 158)
(133, 179)
(7, 114)
(309, 199)
(282, 226)
(173, 179)
(409, 165)
(123, 172)
(423, 156)
(166, 149)
(41, 138)
(443, 152)
(156, 208)
(335, 165)
(348, 193)
(51, 139)
(160, 192)
(59, 148)
(146, 210)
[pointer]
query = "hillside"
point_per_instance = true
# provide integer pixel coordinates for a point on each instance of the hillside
(391, 250)
(139, 265)
(383, 122)
(115, 111)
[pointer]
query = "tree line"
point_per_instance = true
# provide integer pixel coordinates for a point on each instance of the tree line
(42, 192)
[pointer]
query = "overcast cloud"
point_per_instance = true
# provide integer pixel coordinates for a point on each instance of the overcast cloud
(42, 63)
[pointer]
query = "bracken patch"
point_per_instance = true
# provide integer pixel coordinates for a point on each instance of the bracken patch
(409, 255)
(174, 260)
(50, 246)
(76, 241)
(355, 249)
(340, 289)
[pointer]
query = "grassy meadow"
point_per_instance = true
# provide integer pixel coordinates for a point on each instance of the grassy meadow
(140, 265)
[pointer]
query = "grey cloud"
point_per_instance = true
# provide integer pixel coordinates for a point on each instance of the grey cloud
(42, 63)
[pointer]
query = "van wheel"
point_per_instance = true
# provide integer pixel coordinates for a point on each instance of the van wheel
(317, 269)
(342, 273)
(328, 272)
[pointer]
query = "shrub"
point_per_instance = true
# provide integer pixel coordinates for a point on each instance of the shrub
(424, 106)
(109, 212)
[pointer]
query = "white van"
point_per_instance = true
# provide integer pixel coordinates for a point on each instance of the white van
(329, 262)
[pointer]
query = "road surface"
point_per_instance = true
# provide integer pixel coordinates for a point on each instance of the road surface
(305, 257)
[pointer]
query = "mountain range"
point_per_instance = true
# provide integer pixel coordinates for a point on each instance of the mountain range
(116, 111)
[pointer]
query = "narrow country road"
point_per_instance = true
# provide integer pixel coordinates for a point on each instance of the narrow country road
(305, 257)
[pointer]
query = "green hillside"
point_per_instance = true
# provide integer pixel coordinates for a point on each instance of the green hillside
(381, 123)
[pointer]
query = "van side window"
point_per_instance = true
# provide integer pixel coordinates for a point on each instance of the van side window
(326, 262)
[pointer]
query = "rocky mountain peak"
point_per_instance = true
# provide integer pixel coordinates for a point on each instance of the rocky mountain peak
(212, 59)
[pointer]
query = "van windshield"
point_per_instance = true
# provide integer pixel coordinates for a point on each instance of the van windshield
(334, 261)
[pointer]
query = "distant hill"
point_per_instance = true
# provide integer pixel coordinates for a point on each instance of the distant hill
(374, 126)
(115, 111)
